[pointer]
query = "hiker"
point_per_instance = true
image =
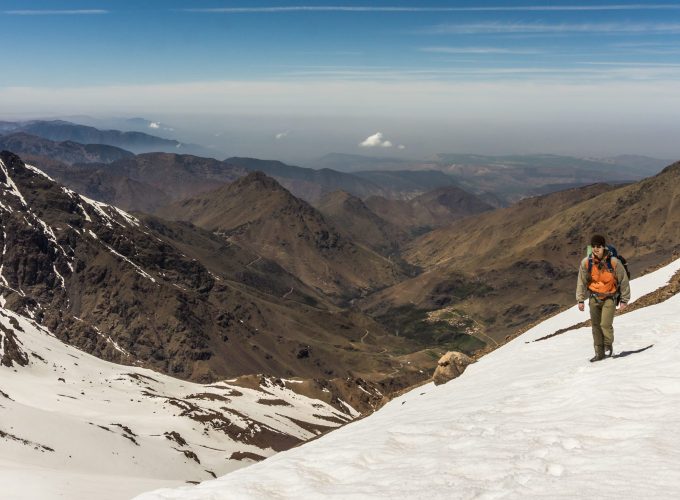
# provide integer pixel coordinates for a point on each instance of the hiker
(603, 278)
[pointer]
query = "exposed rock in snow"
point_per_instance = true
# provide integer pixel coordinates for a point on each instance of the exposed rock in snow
(450, 365)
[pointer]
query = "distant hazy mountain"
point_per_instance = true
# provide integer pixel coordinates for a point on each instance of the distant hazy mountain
(514, 177)
(432, 209)
(406, 184)
(308, 183)
(68, 152)
(356, 163)
(137, 142)
(501, 180)
(643, 164)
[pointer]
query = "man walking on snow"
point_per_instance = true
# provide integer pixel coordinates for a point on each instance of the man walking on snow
(603, 278)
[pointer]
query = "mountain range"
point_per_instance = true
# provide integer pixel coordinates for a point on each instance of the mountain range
(137, 142)
(258, 213)
(223, 272)
(475, 268)
(100, 278)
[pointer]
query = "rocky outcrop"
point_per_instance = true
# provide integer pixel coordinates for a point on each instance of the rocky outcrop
(451, 365)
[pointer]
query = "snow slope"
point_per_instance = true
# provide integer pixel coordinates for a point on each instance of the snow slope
(530, 420)
(77, 427)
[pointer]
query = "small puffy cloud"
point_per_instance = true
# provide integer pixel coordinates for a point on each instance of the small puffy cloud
(376, 140)
(401, 146)
(154, 125)
(281, 135)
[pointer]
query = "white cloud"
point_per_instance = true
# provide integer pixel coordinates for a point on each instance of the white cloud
(45, 12)
(500, 8)
(401, 146)
(154, 125)
(376, 140)
(281, 135)
(479, 50)
(538, 28)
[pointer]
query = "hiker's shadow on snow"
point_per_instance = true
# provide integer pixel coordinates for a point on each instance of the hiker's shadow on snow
(623, 354)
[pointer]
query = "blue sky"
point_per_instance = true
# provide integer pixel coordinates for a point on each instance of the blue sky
(511, 63)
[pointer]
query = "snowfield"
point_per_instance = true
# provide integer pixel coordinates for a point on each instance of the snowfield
(530, 420)
(73, 426)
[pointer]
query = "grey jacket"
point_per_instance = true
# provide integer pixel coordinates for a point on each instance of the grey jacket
(582, 292)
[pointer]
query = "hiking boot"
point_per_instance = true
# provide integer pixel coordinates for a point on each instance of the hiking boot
(597, 357)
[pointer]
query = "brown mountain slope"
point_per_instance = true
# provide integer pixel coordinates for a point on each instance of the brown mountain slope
(432, 209)
(179, 176)
(520, 263)
(103, 185)
(259, 214)
(135, 293)
(144, 182)
(360, 223)
(491, 236)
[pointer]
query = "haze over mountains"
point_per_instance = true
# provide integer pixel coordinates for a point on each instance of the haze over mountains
(357, 241)
(498, 180)
(352, 283)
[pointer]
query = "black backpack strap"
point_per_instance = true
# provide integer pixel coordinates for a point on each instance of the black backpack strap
(608, 260)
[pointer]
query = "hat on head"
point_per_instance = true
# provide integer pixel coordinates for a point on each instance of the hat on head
(597, 240)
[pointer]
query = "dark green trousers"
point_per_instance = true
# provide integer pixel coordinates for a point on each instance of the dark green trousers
(602, 319)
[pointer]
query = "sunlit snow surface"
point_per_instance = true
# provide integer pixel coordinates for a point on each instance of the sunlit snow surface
(530, 420)
(75, 427)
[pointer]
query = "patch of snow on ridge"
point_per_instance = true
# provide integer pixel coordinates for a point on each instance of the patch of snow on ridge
(138, 268)
(11, 185)
(101, 209)
(36, 170)
(74, 426)
(529, 420)
(140, 271)
(111, 341)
